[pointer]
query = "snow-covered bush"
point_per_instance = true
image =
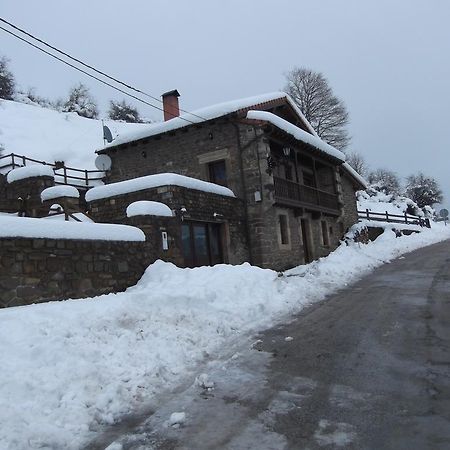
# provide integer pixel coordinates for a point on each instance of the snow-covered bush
(30, 97)
(425, 191)
(122, 111)
(81, 102)
(7, 82)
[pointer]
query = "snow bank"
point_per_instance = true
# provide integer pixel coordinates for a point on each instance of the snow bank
(79, 364)
(49, 135)
(377, 201)
(58, 192)
(152, 181)
(208, 113)
(34, 170)
(148, 208)
(296, 132)
(13, 226)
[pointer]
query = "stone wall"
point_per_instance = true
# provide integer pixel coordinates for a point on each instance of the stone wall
(38, 270)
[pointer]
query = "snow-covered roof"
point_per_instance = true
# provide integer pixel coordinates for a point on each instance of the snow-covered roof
(13, 226)
(296, 132)
(59, 191)
(355, 175)
(207, 113)
(148, 208)
(34, 170)
(152, 181)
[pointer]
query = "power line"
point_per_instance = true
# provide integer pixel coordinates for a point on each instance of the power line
(90, 67)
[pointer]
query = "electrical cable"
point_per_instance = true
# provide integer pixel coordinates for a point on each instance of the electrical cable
(89, 67)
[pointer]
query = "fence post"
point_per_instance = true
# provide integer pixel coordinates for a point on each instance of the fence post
(24, 161)
(65, 175)
(13, 163)
(406, 218)
(367, 214)
(427, 222)
(387, 217)
(86, 177)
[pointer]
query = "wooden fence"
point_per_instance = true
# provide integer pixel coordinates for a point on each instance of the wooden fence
(405, 218)
(63, 175)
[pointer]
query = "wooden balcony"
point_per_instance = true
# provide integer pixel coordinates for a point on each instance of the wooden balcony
(297, 195)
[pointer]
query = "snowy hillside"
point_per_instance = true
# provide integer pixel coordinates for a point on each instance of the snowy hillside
(49, 135)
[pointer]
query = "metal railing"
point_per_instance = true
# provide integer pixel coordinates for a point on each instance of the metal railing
(407, 219)
(301, 194)
(79, 178)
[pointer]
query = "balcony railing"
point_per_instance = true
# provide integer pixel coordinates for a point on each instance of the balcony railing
(294, 194)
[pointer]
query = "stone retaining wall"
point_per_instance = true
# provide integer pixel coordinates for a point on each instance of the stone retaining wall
(38, 270)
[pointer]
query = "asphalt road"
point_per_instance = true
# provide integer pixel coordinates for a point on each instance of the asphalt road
(368, 368)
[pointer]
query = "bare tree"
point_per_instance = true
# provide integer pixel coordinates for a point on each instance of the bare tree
(324, 111)
(81, 101)
(357, 161)
(385, 181)
(423, 190)
(7, 82)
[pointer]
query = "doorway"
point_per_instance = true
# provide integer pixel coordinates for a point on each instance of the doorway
(305, 230)
(201, 244)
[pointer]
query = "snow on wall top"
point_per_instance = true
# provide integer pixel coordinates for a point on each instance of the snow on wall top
(355, 174)
(151, 181)
(13, 226)
(49, 135)
(148, 208)
(35, 170)
(207, 113)
(297, 132)
(59, 191)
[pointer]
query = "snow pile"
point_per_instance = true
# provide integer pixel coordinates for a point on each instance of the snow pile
(296, 132)
(49, 135)
(79, 364)
(208, 113)
(377, 201)
(34, 170)
(148, 208)
(152, 181)
(59, 191)
(13, 226)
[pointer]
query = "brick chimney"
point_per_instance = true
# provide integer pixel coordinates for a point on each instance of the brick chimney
(170, 104)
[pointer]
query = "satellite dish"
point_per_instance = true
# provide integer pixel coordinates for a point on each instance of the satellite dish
(107, 135)
(103, 162)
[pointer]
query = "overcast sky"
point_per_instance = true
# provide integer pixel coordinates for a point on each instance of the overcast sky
(388, 60)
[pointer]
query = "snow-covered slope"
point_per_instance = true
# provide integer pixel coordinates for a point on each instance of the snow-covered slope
(49, 135)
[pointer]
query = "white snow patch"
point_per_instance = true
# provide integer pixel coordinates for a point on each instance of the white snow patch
(296, 132)
(204, 382)
(34, 170)
(58, 192)
(49, 135)
(13, 226)
(148, 208)
(288, 338)
(337, 434)
(177, 418)
(152, 181)
(80, 363)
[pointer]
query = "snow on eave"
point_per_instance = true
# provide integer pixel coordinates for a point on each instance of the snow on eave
(148, 208)
(27, 227)
(355, 175)
(152, 181)
(205, 114)
(296, 132)
(59, 191)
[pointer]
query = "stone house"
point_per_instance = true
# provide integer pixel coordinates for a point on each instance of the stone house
(294, 196)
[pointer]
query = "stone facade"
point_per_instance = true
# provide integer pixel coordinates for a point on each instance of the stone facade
(38, 270)
(200, 207)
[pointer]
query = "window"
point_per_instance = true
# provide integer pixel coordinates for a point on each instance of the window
(218, 172)
(284, 234)
(325, 235)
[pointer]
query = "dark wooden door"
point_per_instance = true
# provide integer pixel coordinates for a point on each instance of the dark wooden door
(306, 241)
(201, 244)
